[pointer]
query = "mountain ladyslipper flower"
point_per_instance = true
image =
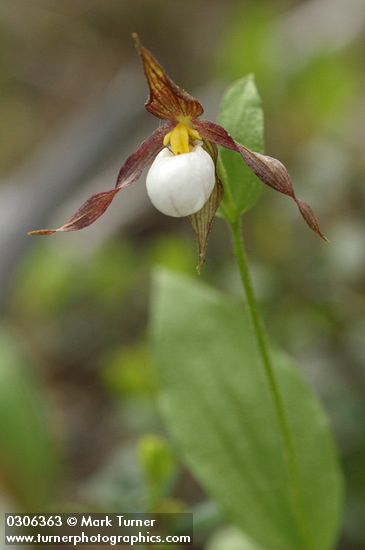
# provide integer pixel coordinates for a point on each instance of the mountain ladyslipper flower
(180, 185)
(182, 155)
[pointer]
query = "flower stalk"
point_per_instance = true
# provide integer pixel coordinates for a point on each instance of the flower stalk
(274, 389)
(187, 178)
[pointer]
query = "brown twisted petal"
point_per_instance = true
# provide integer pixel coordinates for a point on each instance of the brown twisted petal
(89, 212)
(167, 100)
(142, 157)
(269, 170)
(131, 170)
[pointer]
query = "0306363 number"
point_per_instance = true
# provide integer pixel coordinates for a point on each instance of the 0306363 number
(33, 521)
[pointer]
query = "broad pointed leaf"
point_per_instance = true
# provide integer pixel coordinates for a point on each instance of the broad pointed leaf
(217, 405)
(242, 115)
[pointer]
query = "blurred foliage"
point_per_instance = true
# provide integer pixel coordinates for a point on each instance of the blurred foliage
(230, 538)
(57, 277)
(315, 94)
(159, 470)
(29, 461)
(129, 371)
(80, 319)
(246, 41)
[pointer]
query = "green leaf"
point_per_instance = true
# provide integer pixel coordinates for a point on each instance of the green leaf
(242, 116)
(216, 402)
(28, 459)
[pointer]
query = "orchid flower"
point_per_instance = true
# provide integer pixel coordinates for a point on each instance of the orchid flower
(182, 180)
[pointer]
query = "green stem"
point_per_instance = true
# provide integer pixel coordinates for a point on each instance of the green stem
(263, 348)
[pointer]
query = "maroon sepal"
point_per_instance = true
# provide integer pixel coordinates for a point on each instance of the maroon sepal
(269, 170)
(142, 157)
(167, 100)
(131, 170)
(202, 222)
(89, 212)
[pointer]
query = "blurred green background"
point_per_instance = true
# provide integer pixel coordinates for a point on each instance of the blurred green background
(79, 426)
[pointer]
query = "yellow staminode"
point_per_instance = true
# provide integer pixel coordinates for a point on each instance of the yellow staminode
(179, 138)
